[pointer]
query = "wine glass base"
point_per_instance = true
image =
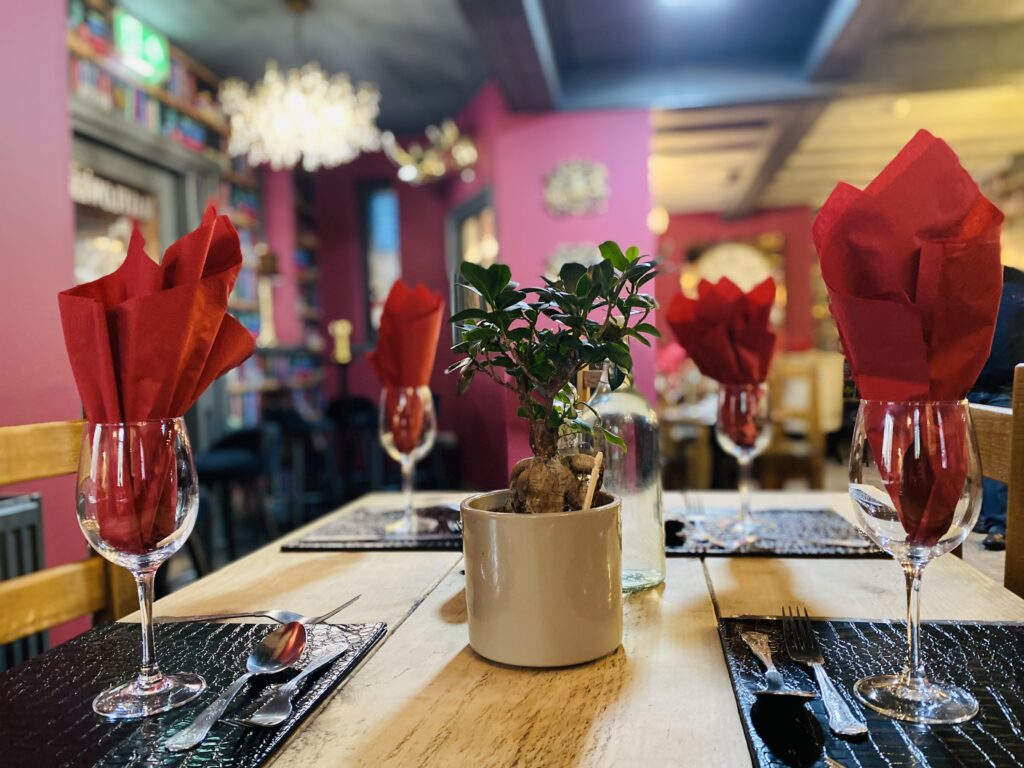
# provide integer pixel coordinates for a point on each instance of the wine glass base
(916, 701)
(136, 699)
(414, 526)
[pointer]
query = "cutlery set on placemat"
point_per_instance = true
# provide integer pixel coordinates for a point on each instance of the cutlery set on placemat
(793, 678)
(262, 681)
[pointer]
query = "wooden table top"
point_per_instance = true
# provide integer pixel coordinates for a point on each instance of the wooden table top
(424, 698)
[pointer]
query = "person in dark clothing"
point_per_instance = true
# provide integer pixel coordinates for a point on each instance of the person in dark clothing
(994, 387)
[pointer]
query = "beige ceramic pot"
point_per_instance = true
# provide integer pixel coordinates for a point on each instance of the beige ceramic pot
(542, 590)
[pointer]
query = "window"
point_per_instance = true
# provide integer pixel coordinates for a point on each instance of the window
(383, 249)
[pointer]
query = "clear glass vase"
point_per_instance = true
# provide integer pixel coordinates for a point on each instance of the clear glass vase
(634, 475)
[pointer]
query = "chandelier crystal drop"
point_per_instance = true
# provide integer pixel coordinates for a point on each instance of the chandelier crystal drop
(301, 115)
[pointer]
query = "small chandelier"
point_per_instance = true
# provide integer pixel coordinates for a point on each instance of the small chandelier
(448, 152)
(301, 115)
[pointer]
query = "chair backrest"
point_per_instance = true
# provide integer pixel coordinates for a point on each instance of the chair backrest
(1000, 433)
(793, 382)
(50, 597)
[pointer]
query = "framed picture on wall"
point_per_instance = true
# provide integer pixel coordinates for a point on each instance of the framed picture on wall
(470, 235)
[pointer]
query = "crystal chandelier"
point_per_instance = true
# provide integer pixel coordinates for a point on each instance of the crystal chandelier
(301, 115)
(448, 152)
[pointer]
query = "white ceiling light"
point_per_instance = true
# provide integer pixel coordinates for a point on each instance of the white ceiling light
(303, 114)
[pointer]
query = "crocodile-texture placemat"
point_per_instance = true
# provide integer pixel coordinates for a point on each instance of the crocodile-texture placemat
(986, 659)
(46, 716)
(364, 529)
(783, 533)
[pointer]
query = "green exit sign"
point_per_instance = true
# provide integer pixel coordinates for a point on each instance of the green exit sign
(142, 49)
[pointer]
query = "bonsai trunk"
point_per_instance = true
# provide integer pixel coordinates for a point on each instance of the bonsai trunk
(548, 482)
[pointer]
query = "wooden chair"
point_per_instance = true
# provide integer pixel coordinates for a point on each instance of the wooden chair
(797, 449)
(50, 597)
(1000, 433)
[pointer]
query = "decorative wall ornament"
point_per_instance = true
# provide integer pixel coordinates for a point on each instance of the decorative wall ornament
(448, 152)
(586, 254)
(576, 188)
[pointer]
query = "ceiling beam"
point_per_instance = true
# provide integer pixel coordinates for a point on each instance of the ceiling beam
(848, 31)
(515, 41)
(792, 130)
(850, 27)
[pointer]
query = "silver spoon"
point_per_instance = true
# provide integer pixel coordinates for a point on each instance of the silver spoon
(278, 650)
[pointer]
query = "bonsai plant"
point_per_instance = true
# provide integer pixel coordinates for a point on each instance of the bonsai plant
(543, 566)
(535, 341)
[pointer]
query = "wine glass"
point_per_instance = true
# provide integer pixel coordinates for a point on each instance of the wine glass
(407, 431)
(915, 480)
(743, 430)
(137, 500)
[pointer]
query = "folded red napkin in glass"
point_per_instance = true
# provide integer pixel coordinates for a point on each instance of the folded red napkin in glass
(726, 331)
(410, 327)
(147, 340)
(912, 268)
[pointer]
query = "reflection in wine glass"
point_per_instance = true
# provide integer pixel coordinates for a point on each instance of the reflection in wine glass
(407, 431)
(743, 430)
(137, 502)
(915, 480)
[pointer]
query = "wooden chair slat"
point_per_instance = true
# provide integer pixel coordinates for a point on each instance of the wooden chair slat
(36, 451)
(47, 598)
(1014, 576)
(993, 427)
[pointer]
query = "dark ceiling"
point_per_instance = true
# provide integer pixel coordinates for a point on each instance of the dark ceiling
(777, 33)
(420, 53)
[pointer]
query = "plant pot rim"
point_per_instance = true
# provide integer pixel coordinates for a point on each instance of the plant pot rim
(467, 505)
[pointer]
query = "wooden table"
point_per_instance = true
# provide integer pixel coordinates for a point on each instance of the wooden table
(424, 698)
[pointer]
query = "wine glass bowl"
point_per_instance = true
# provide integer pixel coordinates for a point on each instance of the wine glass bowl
(915, 482)
(137, 500)
(408, 428)
(743, 430)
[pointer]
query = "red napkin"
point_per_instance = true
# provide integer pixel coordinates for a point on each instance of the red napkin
(726, 331)
(406, 346)
(145, 342)
(912, 268)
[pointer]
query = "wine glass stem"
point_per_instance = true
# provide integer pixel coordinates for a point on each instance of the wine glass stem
(915, 666)
(407, 473)
(149, 670)
(744, 488)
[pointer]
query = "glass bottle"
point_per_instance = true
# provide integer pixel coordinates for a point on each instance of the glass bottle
(634, 475)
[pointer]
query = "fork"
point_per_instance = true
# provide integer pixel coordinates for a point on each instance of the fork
(694, 512)
(803, 647)
(277, 706)
(280, 616)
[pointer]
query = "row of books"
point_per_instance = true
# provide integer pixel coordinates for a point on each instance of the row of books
(304, 258)
(93, 26)
(245, 201)
(91, 82)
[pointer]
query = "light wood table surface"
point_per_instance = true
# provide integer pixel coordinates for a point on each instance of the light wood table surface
(424, 698)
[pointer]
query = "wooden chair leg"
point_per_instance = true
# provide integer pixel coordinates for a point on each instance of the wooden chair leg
(197, 552)
(228, 520)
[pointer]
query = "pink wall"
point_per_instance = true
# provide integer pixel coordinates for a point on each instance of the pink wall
(525, 149)
(279, 220)
(794, 224)
(516, 152)
(36, 240)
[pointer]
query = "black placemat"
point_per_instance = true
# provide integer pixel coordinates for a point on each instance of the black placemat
(46, 716)
(783, 533)
(364, 529)
(986, 659)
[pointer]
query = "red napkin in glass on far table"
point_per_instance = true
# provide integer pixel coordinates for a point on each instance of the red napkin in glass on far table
(912, 268)
(728, 334)
(726, 331)
(410, 327)
(145, 342)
